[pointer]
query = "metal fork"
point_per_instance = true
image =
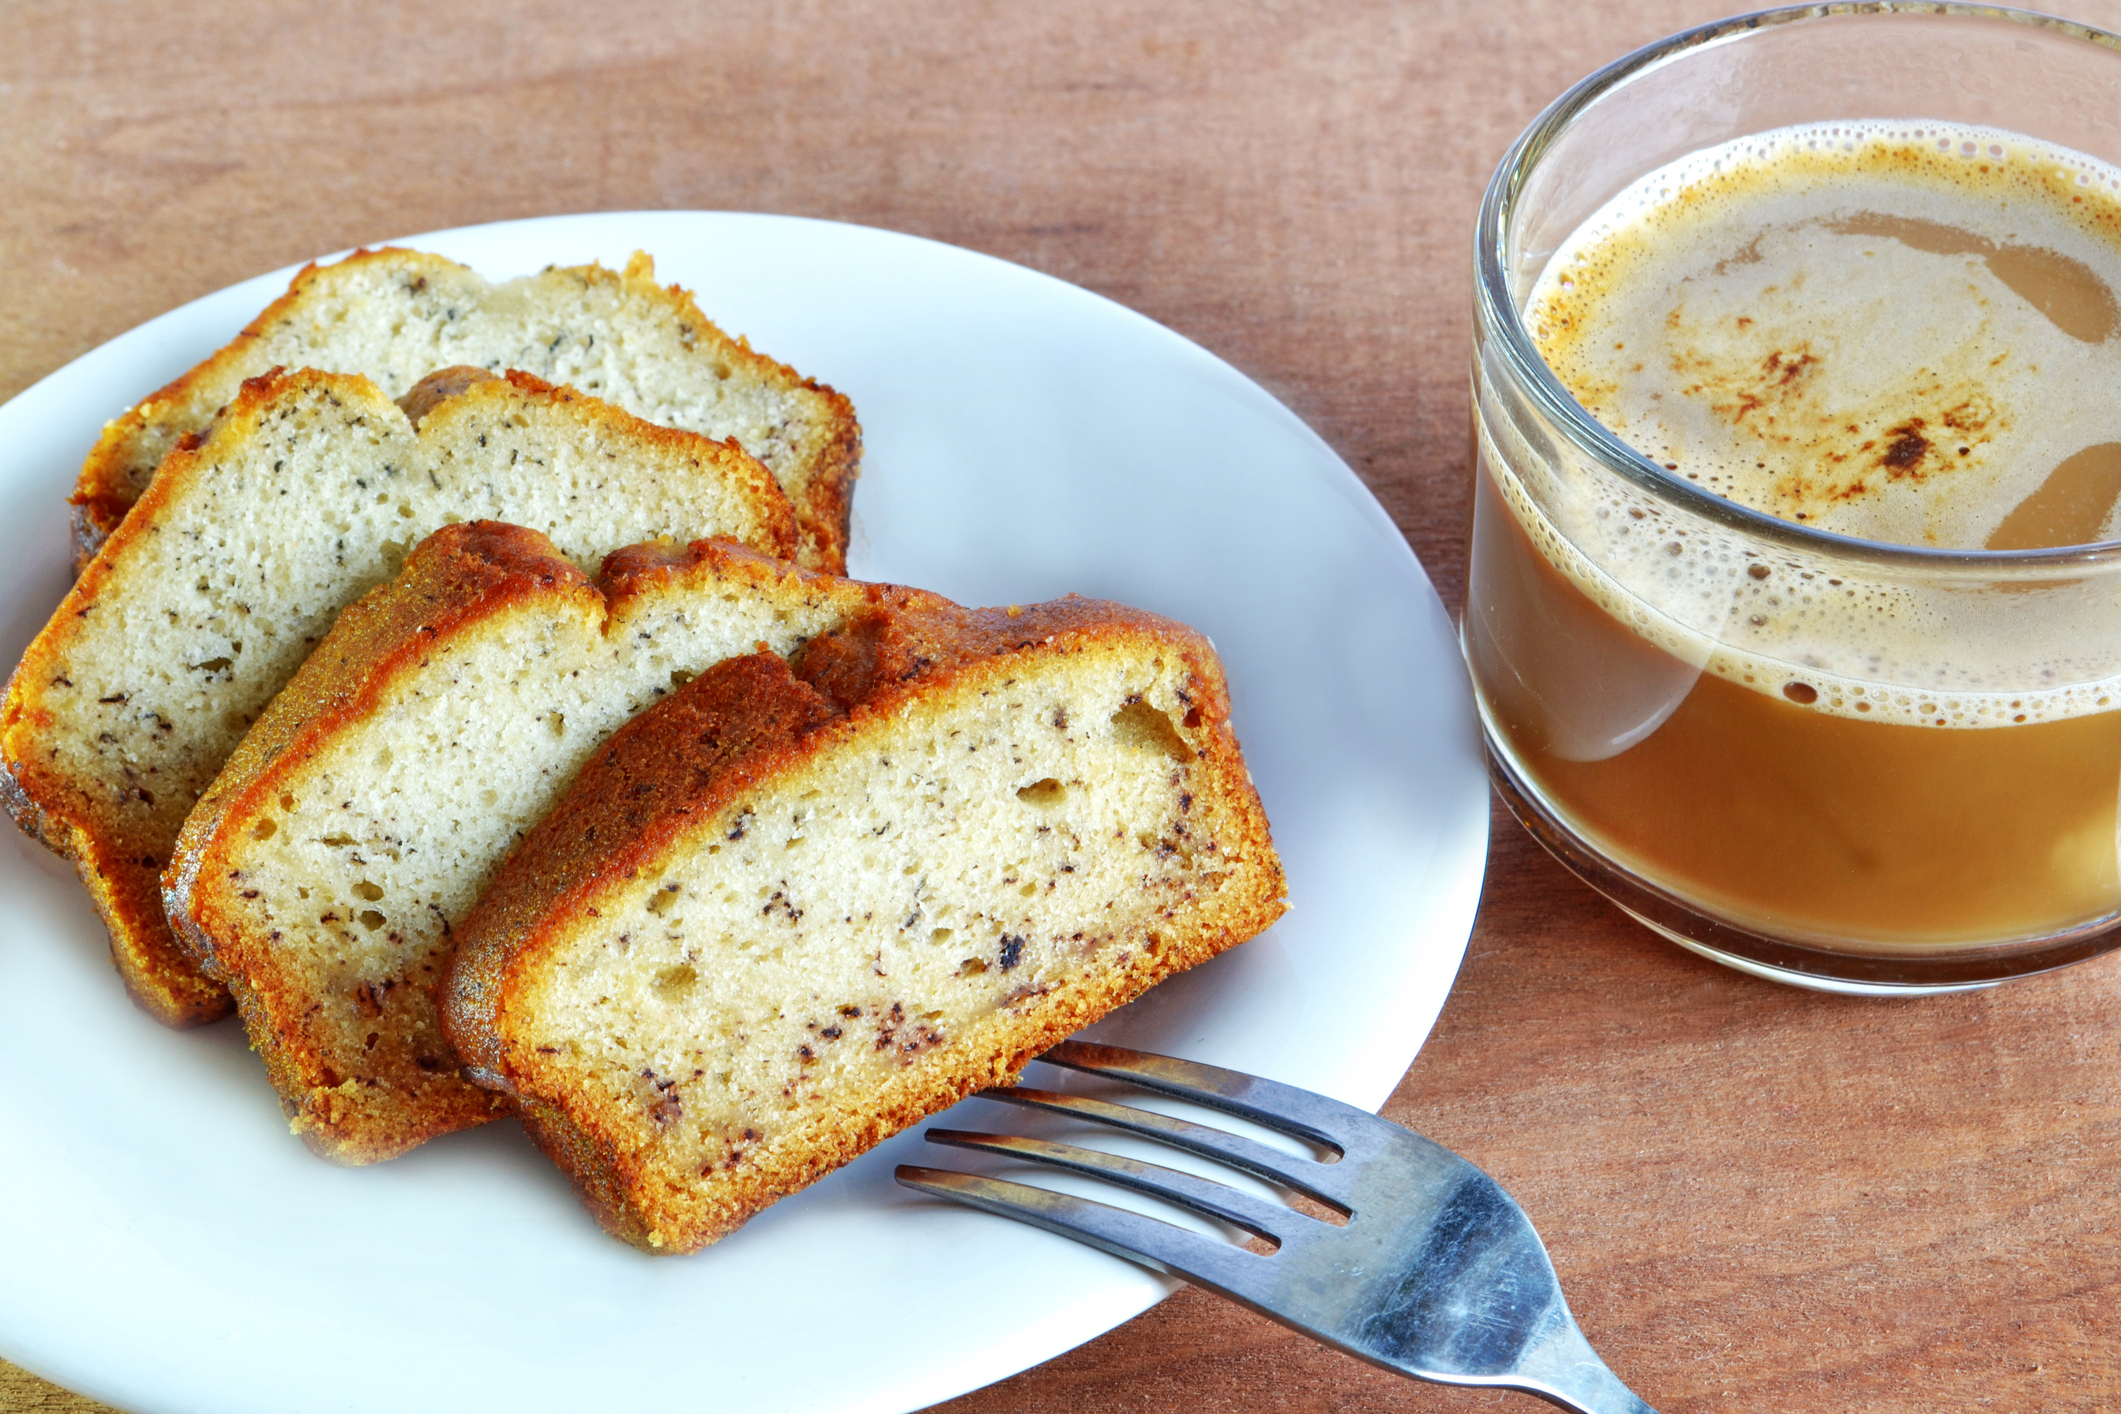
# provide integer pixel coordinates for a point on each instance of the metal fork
(1436, 1274)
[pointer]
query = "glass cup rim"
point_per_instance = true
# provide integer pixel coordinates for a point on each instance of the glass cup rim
(1496, 307)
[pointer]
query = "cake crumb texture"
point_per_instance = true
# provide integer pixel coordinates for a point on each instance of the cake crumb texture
(323, 872)
(310, 489)
(398, 315)
(795, 907)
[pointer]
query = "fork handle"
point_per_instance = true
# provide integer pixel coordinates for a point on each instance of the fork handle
(1597, 1391)
(1558, 1365)
(1583, 1384)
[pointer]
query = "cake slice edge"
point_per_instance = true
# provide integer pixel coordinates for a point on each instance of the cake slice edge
(762, 721)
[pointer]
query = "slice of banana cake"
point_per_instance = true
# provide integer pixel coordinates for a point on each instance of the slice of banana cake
(398, 315)
(443, 715)
(788, 911)
(308, 491)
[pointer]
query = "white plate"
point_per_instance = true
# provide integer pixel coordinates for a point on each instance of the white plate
(166, 1246)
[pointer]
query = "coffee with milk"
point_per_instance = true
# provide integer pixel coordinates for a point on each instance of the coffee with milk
(1898, 333)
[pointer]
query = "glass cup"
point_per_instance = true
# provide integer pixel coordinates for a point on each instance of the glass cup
(1671, 704)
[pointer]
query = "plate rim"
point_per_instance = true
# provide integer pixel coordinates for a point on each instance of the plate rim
(1466, 882)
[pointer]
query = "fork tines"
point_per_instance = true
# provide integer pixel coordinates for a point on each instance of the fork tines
(1298, 1113)
(1150, 1241)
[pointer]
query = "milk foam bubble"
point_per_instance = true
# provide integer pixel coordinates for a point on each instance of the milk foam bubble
(1897, 332)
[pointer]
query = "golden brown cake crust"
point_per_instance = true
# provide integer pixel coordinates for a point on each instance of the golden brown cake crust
(122, 873)
(115, 475)
(354, 1103)
(439, 387)
(675, 768)
(456, 577)
(627, 571)
(119, 857)
(825, 510)
(120, 466)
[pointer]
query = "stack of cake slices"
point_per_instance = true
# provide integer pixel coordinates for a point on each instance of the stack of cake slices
(499, 749)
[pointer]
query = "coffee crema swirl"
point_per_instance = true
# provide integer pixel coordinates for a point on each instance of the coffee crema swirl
(1905, 333)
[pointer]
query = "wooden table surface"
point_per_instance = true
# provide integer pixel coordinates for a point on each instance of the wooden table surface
(1760, 1199)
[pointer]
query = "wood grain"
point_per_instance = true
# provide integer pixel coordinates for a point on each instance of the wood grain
(1760, 1199)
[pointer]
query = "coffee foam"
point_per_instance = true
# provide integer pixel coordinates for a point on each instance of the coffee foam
(1813, 410)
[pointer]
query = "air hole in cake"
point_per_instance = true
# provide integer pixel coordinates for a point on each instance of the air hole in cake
(371, 920)
(558, 723)
(264, 830)
(941, 935)
(1044, 794)
(663, 900)
(384, 758)
(287, 801)
(672, 981)
(368, 891)
(679, 677)
(1144, 728)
